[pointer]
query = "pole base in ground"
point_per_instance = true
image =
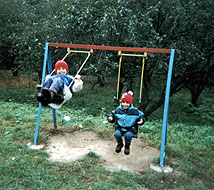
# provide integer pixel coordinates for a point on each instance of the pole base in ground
(158, 168)
(35, 146)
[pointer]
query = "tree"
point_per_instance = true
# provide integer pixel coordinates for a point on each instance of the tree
(183, 25)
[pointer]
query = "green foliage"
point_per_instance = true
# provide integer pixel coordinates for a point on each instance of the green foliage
(184, 26)
(131, 23)
(204, 111)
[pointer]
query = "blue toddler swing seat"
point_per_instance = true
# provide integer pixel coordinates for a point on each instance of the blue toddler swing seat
(141, 81)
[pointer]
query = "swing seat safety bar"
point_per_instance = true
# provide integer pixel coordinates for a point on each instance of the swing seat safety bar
(76, 51)
(131, 55)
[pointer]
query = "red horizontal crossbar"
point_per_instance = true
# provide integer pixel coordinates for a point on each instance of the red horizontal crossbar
(112, 48)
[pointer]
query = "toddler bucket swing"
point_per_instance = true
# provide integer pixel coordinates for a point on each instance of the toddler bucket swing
(63, 96)
(141, 81)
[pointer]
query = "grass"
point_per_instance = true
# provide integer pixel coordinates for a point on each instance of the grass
(189, 150)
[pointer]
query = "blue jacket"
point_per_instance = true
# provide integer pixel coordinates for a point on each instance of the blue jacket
(66, 79)
(126, 119)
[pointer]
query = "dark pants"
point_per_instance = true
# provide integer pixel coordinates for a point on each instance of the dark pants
(127, 136)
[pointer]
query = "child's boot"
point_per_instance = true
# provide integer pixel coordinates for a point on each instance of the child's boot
(48, 95)
(40, 97)
(38, 88)
(127, 149)
(52, 94)
(118, 147)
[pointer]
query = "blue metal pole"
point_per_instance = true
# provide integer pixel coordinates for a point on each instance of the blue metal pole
(37, 123)
(50, 71)
(45, 61)
(166, 108)
(49, 62)
(54, 117)
(43, 76)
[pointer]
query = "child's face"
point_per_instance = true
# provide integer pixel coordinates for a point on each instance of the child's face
(125, 105)
(61, 71)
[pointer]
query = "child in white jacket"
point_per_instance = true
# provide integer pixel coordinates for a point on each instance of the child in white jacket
(53, 84)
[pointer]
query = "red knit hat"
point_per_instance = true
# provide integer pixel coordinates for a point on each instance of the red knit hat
(61, 63)
(127, 96)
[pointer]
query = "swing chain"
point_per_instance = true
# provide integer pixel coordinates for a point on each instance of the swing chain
(120, 62)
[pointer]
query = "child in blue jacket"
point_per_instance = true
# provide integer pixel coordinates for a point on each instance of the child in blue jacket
(53, 84)
(127, 118)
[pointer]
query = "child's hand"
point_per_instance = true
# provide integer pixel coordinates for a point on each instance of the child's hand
(140, 122)
(77, 77)
(110, 118)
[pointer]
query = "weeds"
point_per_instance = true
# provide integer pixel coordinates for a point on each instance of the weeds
(189, 149)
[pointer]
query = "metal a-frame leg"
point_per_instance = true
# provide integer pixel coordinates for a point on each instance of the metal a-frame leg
(47, 59)
(166, 108)
(50, 71)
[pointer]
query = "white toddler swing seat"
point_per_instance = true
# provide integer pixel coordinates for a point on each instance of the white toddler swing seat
(67, 95)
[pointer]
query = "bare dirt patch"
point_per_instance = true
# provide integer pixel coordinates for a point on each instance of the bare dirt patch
(7, 80)
(70, 147)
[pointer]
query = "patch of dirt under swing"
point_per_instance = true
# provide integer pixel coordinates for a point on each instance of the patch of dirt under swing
(69, 147)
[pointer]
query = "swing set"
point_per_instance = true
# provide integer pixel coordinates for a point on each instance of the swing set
(66, 95)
